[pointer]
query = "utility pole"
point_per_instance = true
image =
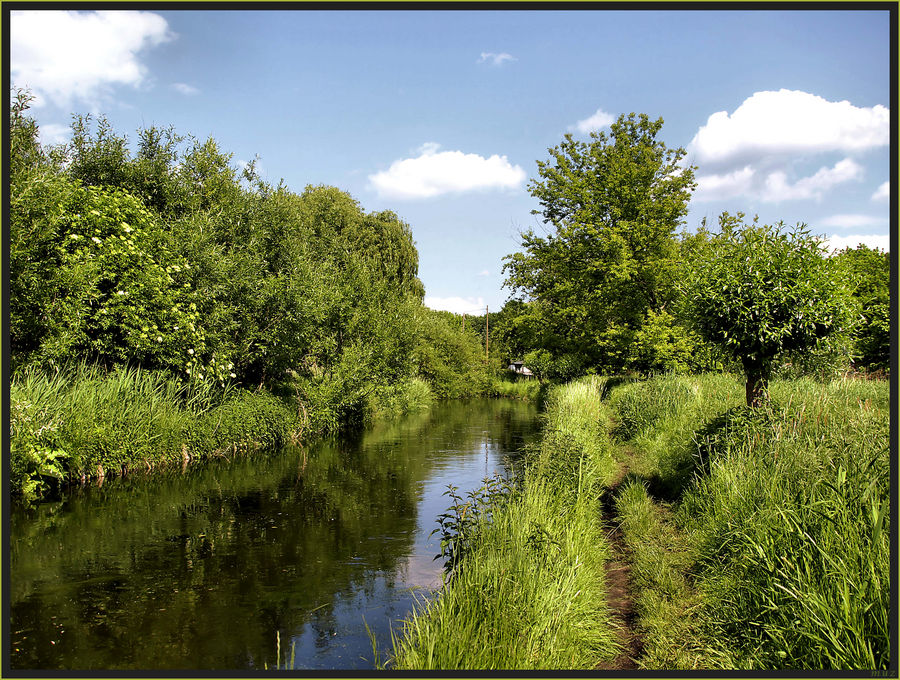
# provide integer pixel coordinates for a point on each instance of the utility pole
(487, 330)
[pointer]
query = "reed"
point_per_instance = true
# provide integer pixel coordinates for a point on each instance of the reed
(84, 422)
(509, 387)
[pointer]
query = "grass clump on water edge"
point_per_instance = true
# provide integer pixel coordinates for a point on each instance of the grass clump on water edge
(526, 588)
(514, 387)
(83, 422)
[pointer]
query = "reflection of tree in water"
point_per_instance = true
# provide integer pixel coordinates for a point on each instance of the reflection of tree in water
(199, 570)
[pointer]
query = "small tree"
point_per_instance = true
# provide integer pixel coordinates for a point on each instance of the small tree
(765, 291)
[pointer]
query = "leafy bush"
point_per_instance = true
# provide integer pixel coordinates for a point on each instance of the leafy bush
(244, 422)
(764, 291)
(36, 453)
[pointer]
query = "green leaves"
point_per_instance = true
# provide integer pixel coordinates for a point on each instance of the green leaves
(764, 291)
(613, 203)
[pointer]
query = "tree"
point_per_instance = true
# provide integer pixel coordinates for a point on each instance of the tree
(765, 291)
(868, 270)
(613, 204)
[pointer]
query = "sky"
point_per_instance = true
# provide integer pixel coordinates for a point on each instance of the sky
(441, 116)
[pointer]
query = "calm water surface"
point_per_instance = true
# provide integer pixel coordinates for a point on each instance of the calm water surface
(199, 570)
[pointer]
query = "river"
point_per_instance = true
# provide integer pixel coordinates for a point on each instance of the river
(199, 569)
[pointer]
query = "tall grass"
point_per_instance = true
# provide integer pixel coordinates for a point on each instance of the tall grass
(529, 592)
(784, 512)
(85, 422)
(511, 387)
(796, 501)
(411, 396)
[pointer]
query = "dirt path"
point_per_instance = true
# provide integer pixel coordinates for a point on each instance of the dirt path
(618, 581)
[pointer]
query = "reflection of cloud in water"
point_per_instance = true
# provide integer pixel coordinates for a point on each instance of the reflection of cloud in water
(420, 570)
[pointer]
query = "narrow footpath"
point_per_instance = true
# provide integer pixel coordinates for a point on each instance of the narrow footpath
(619, 584)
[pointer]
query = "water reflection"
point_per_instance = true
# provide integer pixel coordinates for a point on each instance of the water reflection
(199, 570)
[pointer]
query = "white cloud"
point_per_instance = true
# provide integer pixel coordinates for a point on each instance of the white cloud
(850, 221)
(777, 188)
(184, 88)
(51, 133)
(433, 173)
(495, 58)
(883, 192)
(457, 305)
(882, 241)
(598, 121)
(484, 272)
(789, 122)
(64, 56)
(724, 186)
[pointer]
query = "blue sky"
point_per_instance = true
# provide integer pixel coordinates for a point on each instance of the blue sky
(442, 115)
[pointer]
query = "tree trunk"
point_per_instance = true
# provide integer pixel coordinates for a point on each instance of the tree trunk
(757, 391)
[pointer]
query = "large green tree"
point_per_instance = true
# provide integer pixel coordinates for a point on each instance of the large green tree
(606, 266)
(764, 292)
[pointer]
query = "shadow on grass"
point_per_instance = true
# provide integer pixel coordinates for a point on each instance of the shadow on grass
(712, 439)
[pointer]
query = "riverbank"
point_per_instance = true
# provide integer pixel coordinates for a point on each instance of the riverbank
(84, 423)
(752, 540)
(526, 587)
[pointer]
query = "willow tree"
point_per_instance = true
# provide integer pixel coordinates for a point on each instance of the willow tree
(608, 261)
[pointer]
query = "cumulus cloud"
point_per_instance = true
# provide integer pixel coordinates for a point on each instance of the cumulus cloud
(777, 188)
(850, 221)
(883, 192)
(835, 243)
(495, 58)
(789, 122)
(457, 305)
(724, 186)
(434, 172)
(598, 121)
(62, 56)
(185, 89)
(51, 133)
(773, 186)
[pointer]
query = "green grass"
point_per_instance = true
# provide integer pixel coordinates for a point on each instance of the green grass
(664, 599)
(83, 422)
(529, 591)
(782, 516)
(390, 401)
(510, 387)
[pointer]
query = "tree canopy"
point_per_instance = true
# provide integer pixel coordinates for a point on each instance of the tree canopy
(607, 264)
(765, 291)
(168, 258)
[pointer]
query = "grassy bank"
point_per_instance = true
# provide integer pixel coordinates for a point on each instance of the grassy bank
(511, 387)
(758, 539)
(83, 422)
(526, 587)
